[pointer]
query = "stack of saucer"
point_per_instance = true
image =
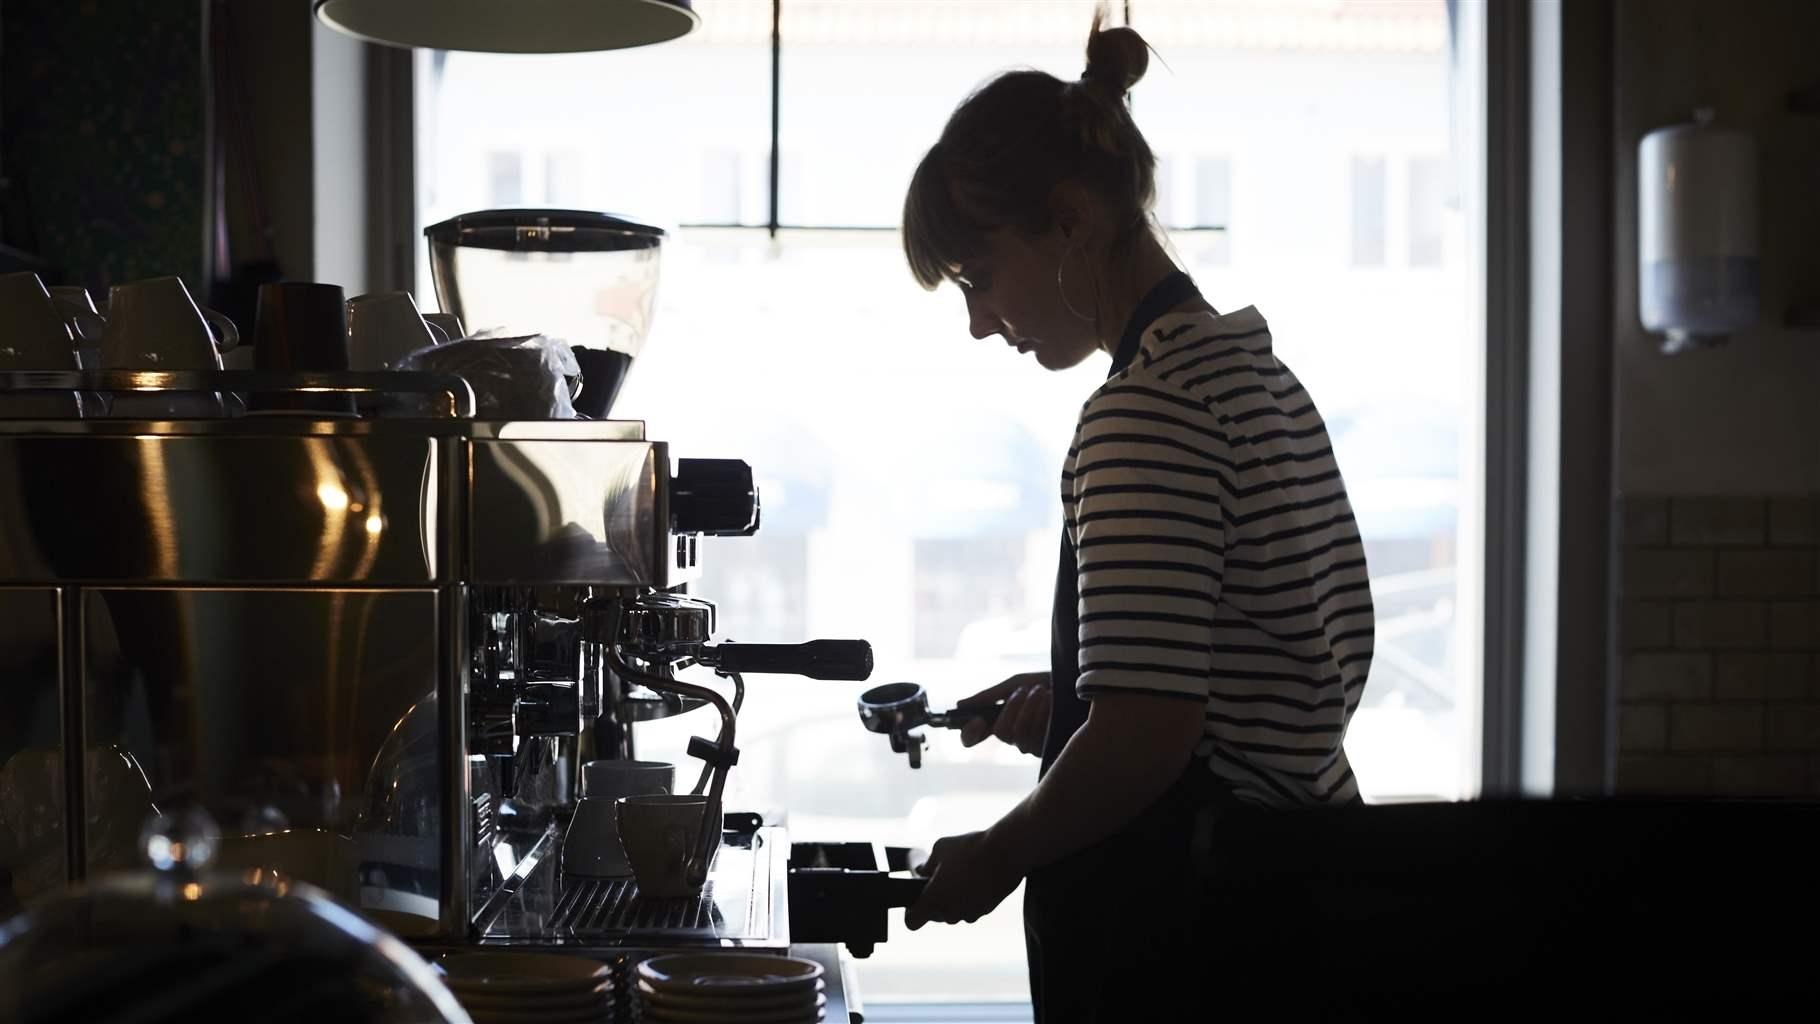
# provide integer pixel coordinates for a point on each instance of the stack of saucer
(699, 988)
(545, 987)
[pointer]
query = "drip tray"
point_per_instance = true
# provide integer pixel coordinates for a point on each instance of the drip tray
(742, 905)
(612, 907)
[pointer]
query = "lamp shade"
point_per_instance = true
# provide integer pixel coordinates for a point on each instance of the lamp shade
(511, 26)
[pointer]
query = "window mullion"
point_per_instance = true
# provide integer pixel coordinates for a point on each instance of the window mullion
(777, 18)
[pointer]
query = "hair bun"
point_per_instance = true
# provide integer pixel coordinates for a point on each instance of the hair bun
(1116, 59)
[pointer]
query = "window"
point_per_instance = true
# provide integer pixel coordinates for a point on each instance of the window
(1310, 107)
(1428, 188)
(909, 472)
(1213, 209)
(722, 187)
(564, 174)
(505, 178)
(1368, 214)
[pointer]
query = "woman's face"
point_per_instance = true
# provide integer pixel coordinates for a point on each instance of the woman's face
(1012, 292)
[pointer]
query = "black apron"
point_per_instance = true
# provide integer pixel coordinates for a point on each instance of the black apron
(1110, 929)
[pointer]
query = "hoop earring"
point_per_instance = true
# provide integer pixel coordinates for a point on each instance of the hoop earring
(1062, 290)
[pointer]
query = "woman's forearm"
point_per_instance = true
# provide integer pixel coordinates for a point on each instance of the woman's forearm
(1130, 751)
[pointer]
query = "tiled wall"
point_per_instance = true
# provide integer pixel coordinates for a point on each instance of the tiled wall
(1719, 631)
(102, 106)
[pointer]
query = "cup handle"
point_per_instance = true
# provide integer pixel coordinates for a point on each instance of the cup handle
(86, 326)
(226, 334)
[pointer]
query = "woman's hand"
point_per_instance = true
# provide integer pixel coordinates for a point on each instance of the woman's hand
(1025, 719)
(968, 877)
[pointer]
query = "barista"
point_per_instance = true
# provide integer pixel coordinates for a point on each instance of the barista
(1213, 621)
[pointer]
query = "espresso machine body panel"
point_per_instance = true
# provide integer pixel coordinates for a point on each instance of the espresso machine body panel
(576, 511)
(115, 505)
(34, 849)
(304, 720)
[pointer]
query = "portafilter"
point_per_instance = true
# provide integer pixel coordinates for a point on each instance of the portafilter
(894, 709)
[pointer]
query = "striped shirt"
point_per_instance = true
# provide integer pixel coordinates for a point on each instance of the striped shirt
(1219, 560)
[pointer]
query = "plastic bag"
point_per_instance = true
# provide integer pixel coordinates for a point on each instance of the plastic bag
(524, 377)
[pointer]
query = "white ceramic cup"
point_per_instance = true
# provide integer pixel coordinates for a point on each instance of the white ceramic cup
(78, 309)
(34, 335)
(592, 847)
(75, 297)
(661, 835)
(155, 325)
(448, 323)
(383, 328)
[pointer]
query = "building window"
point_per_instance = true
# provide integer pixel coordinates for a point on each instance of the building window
(565, 180)
(1369, 196)
(1427, 211)
(505, 178)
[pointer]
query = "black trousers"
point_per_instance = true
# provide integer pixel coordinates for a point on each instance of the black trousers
(1115, 932)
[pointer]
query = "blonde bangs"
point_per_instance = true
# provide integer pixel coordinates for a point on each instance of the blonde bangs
(938, 233)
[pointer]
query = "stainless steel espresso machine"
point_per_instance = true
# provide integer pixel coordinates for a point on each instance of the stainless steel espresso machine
(378, 648)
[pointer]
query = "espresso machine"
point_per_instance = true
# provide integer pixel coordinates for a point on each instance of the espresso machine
(378, 649)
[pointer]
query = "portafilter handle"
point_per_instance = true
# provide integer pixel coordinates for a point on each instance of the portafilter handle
(894, 709)
(817, 659)
(955, 718)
